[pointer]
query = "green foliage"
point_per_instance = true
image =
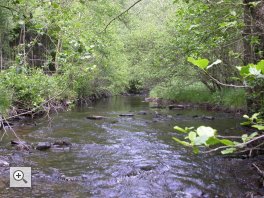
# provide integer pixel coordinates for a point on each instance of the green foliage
(30, 88)
(5, 100)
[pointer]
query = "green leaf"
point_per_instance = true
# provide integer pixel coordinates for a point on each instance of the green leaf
(260, 66)
(252, 135)
(244, 71)
(195, 150)
(212, 141)
(201, 63)
(228, 151)
(247, 123)
(227, 142)
(55, 5)
(255, 116)
(244, 137)
(180, 129)
(181, 142)
(259, 127)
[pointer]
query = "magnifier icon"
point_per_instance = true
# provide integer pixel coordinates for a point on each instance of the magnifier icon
(19, 176)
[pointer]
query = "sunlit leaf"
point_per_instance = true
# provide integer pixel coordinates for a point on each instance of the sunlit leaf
(227, 142)
(259, 127)
(255, 116)
(205, 131)
(201, 63)
(201, 140)
(244, 71)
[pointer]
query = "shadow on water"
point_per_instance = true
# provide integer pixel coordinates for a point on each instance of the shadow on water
(126, 156)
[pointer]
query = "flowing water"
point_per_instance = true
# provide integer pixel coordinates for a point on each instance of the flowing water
(125, 156)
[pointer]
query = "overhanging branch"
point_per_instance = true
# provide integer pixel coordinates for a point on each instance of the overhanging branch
(109, 23)
(8, 8)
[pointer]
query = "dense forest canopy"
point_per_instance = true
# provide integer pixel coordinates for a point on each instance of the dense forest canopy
(56, 52)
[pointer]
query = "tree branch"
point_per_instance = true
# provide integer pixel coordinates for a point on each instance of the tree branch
(109, 23)
(8, 8)
(223, 84)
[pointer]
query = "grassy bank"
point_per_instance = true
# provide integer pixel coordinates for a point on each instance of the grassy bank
(31, 90)
(197, 93)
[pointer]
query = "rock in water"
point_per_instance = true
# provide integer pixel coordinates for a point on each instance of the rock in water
(208, 117)
(126, 115)
(142, 113)
(95, 117)
(175, 107)
(43, 146)
(16, 142)
(62, 143)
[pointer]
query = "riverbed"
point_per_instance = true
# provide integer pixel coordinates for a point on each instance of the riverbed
(126, 156)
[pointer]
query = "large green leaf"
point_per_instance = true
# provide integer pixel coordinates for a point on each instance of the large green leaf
(244, 71)
(213, 141)
(201, 63)
(227, 142)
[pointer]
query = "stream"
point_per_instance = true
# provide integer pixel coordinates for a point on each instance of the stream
(126, 156)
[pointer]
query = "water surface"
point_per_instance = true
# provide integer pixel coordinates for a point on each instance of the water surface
(126, 157)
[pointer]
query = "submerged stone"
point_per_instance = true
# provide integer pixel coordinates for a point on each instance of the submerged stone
(208, 117)
(43, 146)
(176, 107)
(147, 167)
(126, 115)
(16, 142)
(142, 113)
(95, 117)
(62, 143)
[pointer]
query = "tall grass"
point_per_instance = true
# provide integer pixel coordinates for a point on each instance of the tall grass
(198, 93)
